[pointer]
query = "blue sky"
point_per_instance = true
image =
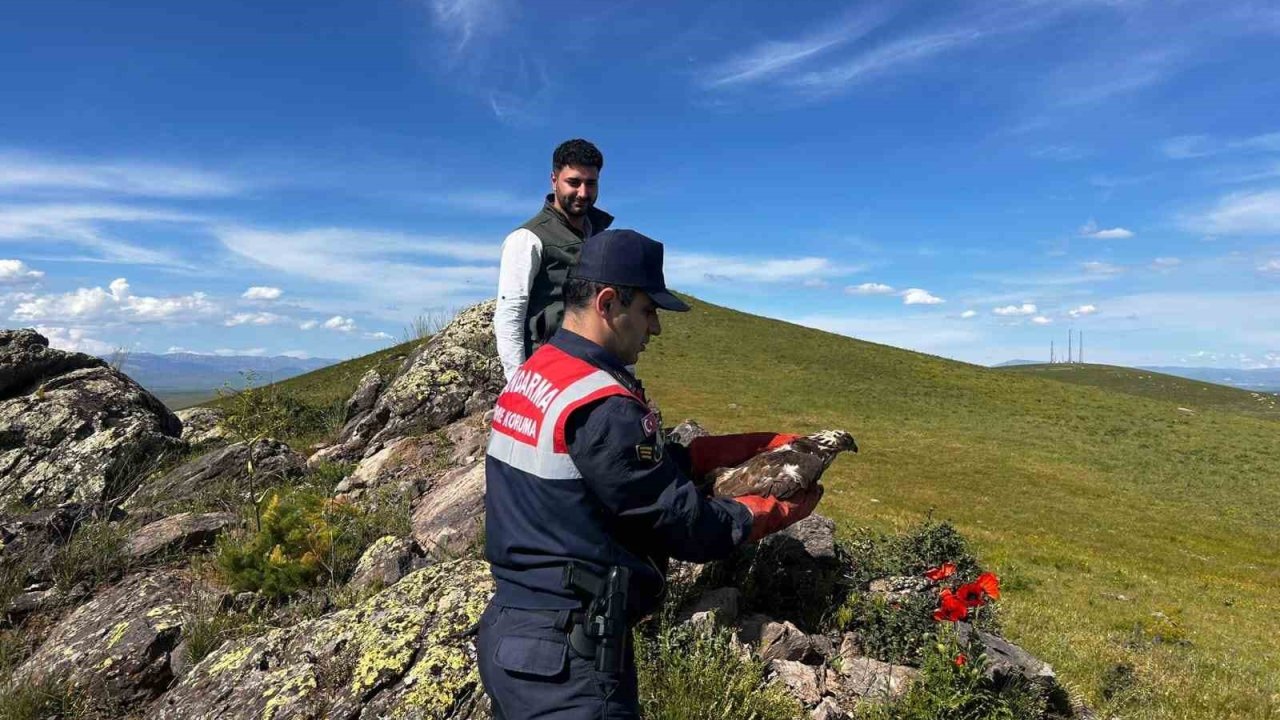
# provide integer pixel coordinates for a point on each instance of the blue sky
(966, 179)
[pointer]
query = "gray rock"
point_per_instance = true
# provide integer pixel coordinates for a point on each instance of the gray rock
(456, 372)
(829, 709)
(805, 682)
(116, 648)
(1006, 660)
(387, 560)
(366, 394)
(202, 425)
(720, 606)
(899, 587)
(31, 601)
(449, 520)
(71, 428)
(178, 533)
(865, 677)
(224, 471)
(785, 641)
(402, 653)
(790, 575)
(413, 464)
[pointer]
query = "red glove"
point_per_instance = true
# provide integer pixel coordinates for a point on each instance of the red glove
(709, 452)
(769, 514)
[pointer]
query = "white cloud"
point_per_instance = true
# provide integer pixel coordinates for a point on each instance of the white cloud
(1091, 230)
(23, 172)
(74, 340)
(341, 324)
(117, 303)
(81, 225)
(968, 314)
(869, 289)
(1271, 266)
(1165, 263)
(297, 354)
(697, 268)
(379, 336)
(232, 352)
(772, 57)
(258, 318)
(259, 292)
(1194, 146)
(1249, 213)
(14, 272)
(465, 21)
(1095, 267)
(383, 268)
(1083, 310)
(309, 325)
(1011, 310)
(1041, 320)
(917, 296)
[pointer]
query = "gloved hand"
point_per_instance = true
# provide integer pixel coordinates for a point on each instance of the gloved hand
(716, 451)
(769, 514)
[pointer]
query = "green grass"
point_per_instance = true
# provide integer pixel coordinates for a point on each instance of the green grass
(1099, 503)
(1193, 395)
(1077, 495)
(318, 397)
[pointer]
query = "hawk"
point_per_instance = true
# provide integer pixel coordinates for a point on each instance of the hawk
(785, 470)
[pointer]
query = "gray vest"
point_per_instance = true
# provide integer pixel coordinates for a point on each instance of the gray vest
(561, 243)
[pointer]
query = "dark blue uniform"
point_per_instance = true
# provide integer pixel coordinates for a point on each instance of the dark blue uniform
(592, 484)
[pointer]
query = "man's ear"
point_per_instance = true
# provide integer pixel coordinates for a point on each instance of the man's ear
(604, 302)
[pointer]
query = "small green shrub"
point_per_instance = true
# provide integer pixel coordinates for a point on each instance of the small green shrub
(874, 555)
(949, 689)
(693, 673)
(306, 539)
(892, 631)
(43, 701)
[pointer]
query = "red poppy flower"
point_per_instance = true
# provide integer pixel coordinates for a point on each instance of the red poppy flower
(990, 584)
(972, 595)
(961, 660)
(942, 572)
(950, 608)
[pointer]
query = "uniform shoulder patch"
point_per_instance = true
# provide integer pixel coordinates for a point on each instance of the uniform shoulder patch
(650, 423)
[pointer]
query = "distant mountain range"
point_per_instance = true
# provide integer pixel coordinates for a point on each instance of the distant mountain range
(194, 377)
(1261, 379)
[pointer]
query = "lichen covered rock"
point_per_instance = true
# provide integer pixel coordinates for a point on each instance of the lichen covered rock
(450, 518)
(222, 469)
(202, 425)
(455, 373)
(72, 428)
(401, 654)
(117, 646)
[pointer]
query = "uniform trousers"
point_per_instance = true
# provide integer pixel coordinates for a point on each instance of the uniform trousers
(531, 673)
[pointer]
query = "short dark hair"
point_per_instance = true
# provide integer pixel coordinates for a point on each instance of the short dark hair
(576, 152)
(579, 293)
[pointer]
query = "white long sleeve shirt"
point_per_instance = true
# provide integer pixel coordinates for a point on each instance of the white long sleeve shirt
(521, 258)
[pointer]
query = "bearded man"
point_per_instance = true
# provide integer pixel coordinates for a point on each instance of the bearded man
(537, 256)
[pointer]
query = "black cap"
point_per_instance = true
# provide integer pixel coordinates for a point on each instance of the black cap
(625, 257)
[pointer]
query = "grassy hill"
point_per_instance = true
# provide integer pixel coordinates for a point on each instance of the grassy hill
(1191, 394)
(1137, 542)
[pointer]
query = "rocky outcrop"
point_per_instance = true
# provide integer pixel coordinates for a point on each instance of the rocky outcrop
(455, 373)
(72, 428)
(403, 653)
(387, 560)
(202, 426)
(450, 518)
(115, 648)
(219, 471)
(178, 533)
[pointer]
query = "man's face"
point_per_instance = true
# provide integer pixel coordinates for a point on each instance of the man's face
(632, 326)
(575, 188)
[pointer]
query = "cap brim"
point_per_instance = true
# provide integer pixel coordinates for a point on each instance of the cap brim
(667, 301)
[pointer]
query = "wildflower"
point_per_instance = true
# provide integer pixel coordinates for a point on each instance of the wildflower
(950, 607)
(971, 595)
(961, 660)
(941, 572)
(990, 584)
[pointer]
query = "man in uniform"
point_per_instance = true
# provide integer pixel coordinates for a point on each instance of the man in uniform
(537, 256)
(577, 476)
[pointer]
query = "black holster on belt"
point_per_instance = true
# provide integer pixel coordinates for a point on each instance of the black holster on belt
(602, 634)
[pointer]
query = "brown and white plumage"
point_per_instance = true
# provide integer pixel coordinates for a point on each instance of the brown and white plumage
(786, 470)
